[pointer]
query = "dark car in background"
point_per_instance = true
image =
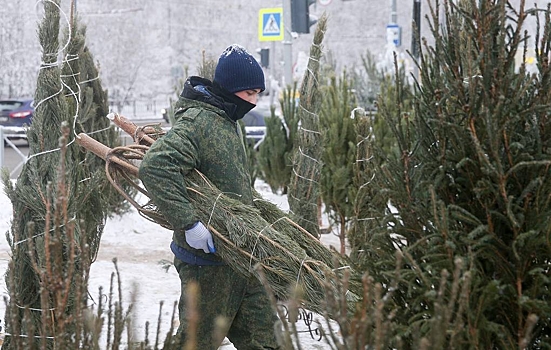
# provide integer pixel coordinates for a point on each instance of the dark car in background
(255, 127)
(15, 116)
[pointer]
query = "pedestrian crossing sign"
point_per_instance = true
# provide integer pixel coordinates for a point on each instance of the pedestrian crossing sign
(270, 24)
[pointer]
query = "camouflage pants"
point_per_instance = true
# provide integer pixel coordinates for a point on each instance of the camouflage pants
(229, 305)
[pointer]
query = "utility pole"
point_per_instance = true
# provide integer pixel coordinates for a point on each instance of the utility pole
(416, 29)
(272, 73)
(393, 30)
(415, 34)
(287, 44)
(393, 35)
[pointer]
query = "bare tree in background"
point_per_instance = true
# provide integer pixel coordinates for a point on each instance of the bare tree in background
(19, 53)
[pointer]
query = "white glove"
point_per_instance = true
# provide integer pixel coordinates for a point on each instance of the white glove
(199, 237)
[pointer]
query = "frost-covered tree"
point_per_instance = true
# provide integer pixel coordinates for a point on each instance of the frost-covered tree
(19, 58)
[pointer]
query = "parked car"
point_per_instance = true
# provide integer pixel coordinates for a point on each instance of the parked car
(15, 116)
(255, 127)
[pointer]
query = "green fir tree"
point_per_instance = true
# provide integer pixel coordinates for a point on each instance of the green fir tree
(272, 155)
(62, 197)
(304, 189)
(464, 199)
(276, 149)
(339, 154)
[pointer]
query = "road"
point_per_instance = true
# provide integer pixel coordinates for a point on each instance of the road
(13, 160)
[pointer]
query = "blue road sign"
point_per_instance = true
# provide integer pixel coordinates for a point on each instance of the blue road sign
(270, 24)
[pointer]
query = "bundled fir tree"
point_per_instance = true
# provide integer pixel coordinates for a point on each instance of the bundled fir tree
(87, 102)
(57, 208)
(467, 189)
(304, 191)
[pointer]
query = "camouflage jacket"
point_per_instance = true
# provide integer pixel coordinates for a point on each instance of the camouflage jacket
(205, 136)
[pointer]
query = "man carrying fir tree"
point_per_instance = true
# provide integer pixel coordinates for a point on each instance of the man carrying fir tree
(207, 137)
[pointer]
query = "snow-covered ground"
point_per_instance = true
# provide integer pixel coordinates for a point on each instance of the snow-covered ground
(140, 247)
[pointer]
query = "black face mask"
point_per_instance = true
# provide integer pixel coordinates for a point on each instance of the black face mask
(235, 107)
(204, 90)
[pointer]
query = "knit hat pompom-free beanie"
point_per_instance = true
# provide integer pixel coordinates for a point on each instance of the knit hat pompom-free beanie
(237, 70)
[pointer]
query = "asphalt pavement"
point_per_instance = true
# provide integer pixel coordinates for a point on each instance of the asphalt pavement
(14, 158)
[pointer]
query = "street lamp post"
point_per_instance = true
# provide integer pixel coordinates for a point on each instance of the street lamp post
(416, 28)
(287, 44)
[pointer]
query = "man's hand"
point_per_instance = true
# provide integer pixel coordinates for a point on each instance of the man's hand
(199, 237)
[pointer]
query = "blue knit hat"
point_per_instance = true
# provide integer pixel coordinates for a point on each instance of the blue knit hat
(237, 70)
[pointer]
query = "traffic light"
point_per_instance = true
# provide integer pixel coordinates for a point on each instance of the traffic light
(264, 57)
(301, 21)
